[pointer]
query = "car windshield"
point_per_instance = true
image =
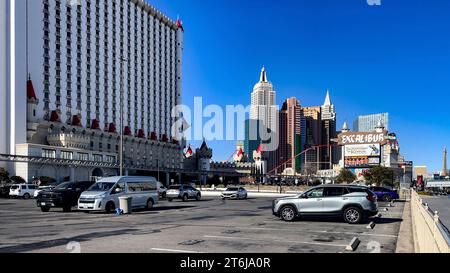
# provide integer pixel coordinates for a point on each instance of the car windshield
(101, 186)
(64, 185)
(232, 189)
(14, 187)
(174, 188)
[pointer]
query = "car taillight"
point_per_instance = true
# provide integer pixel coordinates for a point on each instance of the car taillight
(372, 197)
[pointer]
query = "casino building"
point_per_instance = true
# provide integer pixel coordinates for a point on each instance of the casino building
(67, 66)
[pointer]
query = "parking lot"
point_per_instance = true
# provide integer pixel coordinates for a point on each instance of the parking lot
(210, 225)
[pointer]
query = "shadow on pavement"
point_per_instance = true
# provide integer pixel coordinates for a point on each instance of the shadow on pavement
(64, 241)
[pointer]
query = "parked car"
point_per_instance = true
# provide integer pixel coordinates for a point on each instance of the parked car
(104, 195)
(162, 190)
(235, 193)
(4, 190)
(42, 188)
(183, 192)
(63, 196)
(25, 191)
(385, 194)
(352, 203)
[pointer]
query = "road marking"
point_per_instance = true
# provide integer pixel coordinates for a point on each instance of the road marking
(325, 231)
(273, 240)
(175, 250)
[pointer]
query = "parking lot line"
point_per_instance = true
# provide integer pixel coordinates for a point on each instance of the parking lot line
(175, 250)
(274, 240)
(325, 231)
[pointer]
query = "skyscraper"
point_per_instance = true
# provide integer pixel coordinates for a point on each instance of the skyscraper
(328, 154)
(263, 102)
(291, 137)
(313, 117)
(369, 123)
(444, 169)
(71, 62)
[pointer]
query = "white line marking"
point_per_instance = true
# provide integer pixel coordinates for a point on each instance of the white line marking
(273, 240)
(175, 250)
(324, 231)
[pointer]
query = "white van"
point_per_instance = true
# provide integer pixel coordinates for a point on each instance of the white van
(104, 195)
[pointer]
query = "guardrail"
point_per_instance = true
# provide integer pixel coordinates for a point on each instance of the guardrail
(430, 235)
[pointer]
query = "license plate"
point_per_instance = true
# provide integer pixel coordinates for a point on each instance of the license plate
(42, 204)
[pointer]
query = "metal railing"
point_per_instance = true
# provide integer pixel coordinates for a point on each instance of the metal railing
(429, 233)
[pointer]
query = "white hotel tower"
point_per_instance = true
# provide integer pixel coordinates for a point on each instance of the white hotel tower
(63, 65)
(263, 105)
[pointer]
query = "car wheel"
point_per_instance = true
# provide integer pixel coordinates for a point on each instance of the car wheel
(353, 215)
(287, 213)
(387, 198)
(149, 204)
(185, 198)
(45, 209)
(198, 197)
(110, 207)
(26, 196)
(245, 196)
(67, 209)
(170, 199)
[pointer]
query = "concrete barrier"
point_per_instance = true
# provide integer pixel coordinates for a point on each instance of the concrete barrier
(429, 235)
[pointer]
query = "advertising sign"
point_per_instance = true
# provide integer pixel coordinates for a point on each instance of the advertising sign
(361, 162)
(363, 150)
(363, 138)
(359, 172)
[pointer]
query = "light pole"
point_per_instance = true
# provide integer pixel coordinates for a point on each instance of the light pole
(122, 61)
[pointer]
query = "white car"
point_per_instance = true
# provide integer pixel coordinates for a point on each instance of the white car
(42, 188)
(162, 190)
(235, 193)
(25, 191)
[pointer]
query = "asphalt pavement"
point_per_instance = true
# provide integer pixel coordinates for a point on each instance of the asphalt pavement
(211, 225)
(442, 205)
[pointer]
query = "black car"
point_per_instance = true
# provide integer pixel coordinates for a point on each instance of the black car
(64, 196)
(4, 190)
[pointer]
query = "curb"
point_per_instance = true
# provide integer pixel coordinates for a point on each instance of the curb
(353, 244)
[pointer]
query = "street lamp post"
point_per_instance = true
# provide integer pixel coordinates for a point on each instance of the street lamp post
(122, 60)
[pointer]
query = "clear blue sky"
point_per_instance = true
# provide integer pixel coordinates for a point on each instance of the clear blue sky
(391, 58)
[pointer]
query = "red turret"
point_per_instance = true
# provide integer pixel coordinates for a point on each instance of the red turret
(180, 24)
(95, 124)
(55, 117)
(31, 95)
(153, 136)
(140, 133)
(76, 121)
(127, 131)
(112, 128)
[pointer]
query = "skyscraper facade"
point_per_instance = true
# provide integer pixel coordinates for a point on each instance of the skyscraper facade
(369, 123)
(263, 101)
(313, 117)
(328, 153)
(71, 62)
(292, 136)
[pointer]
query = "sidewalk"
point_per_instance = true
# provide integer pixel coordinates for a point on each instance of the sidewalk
(405, 240)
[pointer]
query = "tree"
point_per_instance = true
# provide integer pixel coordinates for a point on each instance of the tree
(345, 176)
(17, 180)
(379, 176)
(4, 175)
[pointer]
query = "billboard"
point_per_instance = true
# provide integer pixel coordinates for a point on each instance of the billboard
(361, 161)
(362, 150)
(363, 138)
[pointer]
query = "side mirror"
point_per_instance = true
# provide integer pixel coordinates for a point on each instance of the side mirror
(304, 196)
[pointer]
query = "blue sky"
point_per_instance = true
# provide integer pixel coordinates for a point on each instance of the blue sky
(391, 58)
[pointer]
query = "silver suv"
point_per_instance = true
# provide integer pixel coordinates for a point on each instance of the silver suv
(183, 192)
(352, 203)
